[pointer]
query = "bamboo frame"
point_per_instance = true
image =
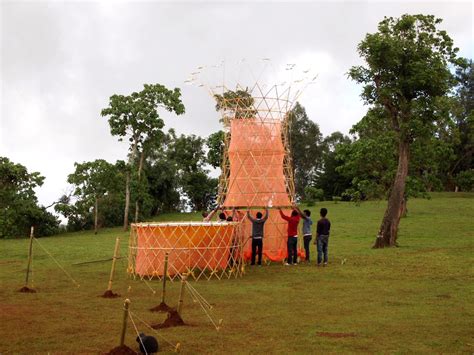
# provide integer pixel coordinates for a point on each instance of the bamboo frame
(30, 256)
(114, 260)
(270, 107)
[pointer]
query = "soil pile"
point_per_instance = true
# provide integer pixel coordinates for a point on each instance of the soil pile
(162, 307)
(25, 289)
(122, 350)
(110, 294)
(173, 320)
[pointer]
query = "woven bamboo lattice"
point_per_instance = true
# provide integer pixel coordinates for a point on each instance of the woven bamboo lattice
(256, 169)
(201, 249)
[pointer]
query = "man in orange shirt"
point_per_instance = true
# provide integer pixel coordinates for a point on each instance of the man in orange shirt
(292, 242)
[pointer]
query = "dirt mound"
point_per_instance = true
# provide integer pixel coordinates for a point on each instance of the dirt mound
(26, 289)
(110, 294)
(162, 307)
(335, 335)
(173, 320)
(122, 350)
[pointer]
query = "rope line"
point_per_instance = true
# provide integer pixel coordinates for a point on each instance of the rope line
(136, 331)
(57, 263)
(154, 330)
(192, 290)
(146, 283)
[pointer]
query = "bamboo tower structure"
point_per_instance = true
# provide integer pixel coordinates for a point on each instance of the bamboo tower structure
(256, 169)
(256, 173)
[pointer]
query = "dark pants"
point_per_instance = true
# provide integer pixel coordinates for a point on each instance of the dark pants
(292, 250)
(322, 249)
(257, 244)
(307, 240)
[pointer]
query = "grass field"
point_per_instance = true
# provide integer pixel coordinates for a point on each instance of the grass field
(415, 298)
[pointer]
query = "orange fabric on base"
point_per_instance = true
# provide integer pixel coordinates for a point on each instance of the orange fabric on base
(190, 246)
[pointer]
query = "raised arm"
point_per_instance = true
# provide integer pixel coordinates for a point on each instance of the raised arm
(266, 214)
(250, 217)
(285, 217)
(211, 214)
(297, 209)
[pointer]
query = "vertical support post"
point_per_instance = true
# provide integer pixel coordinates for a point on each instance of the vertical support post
(181, 293)
(165, 276)
(125, 318)
(114, 259)
(30, 255)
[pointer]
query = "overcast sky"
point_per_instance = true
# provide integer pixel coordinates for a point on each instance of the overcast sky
(61, 61)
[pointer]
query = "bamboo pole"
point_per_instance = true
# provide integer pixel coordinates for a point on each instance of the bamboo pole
(30, 255)
(165, 276)
(181, 293)
(124, 324)
(114, 259)
(98, 261)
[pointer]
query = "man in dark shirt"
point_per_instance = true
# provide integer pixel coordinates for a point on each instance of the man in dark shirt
(322, 236)
(257, 235)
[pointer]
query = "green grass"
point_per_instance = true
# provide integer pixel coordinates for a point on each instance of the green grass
(415, 298)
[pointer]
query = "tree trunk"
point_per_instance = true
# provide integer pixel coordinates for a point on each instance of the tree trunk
(140, 167)
(127, 201)
(387, 236)
(96, 213)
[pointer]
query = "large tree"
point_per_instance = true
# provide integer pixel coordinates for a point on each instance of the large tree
(306, 146)
(93, 181)
(136, 116)
(407, 71)
(19, 208)
(331, 180)
(464, 121)
(187, 152)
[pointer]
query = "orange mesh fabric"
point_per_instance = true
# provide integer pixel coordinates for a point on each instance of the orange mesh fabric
(256, 155)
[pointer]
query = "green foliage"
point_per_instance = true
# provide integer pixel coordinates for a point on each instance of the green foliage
(464, 121)
(236, 104)
(330, 179)
(93, 180)
(187, 153)
(19, 208)
(215, 144)
(465, 180)
(407, 61)
(313, 194)
(306, 148)
(136, 115)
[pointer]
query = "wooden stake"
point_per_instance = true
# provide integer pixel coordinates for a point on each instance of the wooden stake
(124, 324)
(181, 294)
(30, 255)
(114, 259)
(165, 276)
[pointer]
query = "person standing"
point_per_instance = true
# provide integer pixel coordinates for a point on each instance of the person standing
(292, 241)
(322, 236)
(307, 235)
(257, 235)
